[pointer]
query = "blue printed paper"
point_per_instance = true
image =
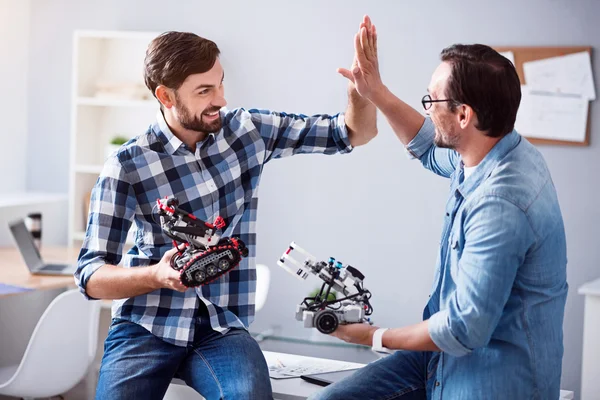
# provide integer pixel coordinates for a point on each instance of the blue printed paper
(10, 289)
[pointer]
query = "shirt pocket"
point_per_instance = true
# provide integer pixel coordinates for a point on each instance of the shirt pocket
(456, 244)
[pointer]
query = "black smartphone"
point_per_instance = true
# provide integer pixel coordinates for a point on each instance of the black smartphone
(327, 378)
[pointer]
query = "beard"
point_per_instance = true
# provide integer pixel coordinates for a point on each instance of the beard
(191, 122)
(445, 137)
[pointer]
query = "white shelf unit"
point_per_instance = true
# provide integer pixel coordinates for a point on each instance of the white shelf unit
(109, 99)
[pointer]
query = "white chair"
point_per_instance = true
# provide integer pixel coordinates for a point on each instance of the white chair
(178, 389)
(566, 395)
(59, 352)
(263, 281)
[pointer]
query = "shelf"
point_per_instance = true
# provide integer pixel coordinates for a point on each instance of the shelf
(26, 198)
(89, 168)
(107, 102)
(109, 99)
(78, 235)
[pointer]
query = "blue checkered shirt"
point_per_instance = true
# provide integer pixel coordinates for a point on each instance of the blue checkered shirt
(219, 179)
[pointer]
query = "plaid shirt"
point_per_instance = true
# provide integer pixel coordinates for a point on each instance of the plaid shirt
(220, 179)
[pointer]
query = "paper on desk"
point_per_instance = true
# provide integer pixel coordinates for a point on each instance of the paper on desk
(510, 55)
(308, 367)
(552, 116)
(570, 74)
(10, 289)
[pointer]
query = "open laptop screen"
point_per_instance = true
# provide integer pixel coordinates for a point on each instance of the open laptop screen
(26, 245)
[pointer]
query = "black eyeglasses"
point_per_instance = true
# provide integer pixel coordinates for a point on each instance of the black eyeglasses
(427, 101)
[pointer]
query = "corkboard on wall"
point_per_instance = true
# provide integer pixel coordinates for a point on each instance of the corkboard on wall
(525, 54)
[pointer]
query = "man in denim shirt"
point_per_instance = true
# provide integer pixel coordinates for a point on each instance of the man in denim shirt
(492, 328)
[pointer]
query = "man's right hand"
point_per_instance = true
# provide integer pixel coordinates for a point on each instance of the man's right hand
(165, 276)
(364, 72)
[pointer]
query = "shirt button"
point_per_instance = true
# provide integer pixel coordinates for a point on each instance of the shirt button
(437, 383)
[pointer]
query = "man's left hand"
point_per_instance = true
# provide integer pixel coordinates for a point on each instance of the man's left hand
(356, 333)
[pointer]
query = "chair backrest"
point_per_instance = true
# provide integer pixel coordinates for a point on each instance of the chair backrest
(263, 280)
(61, 348)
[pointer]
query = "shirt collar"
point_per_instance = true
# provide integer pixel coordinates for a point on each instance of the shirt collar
(170, 142)
(489, 163)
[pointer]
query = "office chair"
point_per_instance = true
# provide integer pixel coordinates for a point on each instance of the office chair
(60, 350)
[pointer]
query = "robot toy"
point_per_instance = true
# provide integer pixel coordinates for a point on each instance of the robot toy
(205, 256)
(318, 312)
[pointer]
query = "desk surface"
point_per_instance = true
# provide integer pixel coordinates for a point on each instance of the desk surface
(13, 270)
(294, 388)
(591, 288)
(283, 389)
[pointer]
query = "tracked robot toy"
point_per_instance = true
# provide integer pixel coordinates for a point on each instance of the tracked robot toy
(318, 312)
(203, 255)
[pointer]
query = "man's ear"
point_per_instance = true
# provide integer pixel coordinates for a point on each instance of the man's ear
(465, 115)
(165, 96)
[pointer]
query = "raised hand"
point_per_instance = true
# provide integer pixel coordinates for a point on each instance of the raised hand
(364, 73)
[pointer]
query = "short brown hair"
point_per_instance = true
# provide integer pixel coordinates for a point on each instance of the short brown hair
(173, 56)
(487, 82)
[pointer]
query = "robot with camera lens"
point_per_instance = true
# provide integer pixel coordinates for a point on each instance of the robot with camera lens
(319, 311)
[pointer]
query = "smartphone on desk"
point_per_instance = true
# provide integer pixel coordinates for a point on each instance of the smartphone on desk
(327, 378)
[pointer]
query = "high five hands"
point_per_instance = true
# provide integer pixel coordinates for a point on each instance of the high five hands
(364, 73)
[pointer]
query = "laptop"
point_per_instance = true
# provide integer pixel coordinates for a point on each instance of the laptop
(31, 255)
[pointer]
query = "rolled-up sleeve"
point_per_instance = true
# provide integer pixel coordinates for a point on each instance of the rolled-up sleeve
(111, 212)
(423, 141)
(497, 238)
(440, 161)
(441, 333)
(289, 134)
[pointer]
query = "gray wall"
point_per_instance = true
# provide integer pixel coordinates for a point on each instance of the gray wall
(14, 37)
(374, 208)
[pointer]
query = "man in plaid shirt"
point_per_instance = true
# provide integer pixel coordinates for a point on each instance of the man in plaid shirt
(211, 161)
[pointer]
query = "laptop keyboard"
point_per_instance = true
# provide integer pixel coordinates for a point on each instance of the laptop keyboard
(54, 267)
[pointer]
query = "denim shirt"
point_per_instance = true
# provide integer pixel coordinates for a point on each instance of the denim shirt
(497, 303)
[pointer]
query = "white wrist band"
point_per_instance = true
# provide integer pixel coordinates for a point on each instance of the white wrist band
(378, 341)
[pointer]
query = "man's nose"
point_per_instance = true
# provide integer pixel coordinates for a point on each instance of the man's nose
(219, 101)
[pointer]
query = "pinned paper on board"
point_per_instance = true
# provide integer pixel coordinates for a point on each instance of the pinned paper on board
(557, 87)
(569, 74)
(554, 116)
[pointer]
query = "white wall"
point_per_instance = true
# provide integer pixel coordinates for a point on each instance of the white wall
(14, 63)
(374, 208)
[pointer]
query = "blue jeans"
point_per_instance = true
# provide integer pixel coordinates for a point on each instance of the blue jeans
(138, 365)
(406, 375)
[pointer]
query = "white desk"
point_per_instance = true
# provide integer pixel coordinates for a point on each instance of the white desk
(293, 388)
(590, 370)
(283, 389)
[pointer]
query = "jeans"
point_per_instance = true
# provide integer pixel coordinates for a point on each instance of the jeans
(138, 365)
(405, 375)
